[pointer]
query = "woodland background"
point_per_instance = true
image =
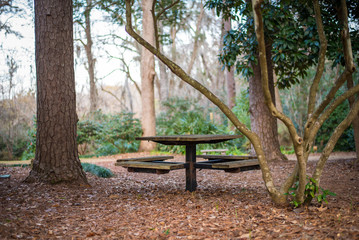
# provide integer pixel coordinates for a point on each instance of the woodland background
(108, 82)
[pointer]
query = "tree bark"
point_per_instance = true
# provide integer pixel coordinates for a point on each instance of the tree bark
(148, 119)
(231, 84)
(262, 121)
(355, 123)
(56, 158)
(90, 59)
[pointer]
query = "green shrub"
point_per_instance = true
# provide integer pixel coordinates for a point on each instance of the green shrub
(106, 149)
(182, 116)
(103, 134)
(346, 141)
(97, 170)
(241, 109)
(120, 130)
(29, 152)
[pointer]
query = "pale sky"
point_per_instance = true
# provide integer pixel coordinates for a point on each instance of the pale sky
(22, 50)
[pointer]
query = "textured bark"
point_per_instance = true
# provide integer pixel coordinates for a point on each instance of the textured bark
(355, 122)
(90, 59)
(262, 121)
(148, 119)
(56, 158)
(297, 141)
(231, 84)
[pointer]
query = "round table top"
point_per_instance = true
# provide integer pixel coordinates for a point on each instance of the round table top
(189, 139)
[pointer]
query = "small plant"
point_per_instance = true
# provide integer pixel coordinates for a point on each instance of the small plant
(311, 191)
(97, 170)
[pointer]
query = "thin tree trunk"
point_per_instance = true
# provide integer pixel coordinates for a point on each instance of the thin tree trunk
(148, 119)
(196, 38)
(231, 84)
(173, 55)
(90, 59)
(56, 158)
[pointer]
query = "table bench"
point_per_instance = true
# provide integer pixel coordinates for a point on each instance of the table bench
(222, 151)
(228, 163)
(152, 164)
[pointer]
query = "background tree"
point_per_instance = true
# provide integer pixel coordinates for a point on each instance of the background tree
(231, 84)
(83, 18)
(56, 159)
(148, 118)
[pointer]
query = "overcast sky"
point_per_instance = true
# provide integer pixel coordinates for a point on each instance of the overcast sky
(22, 51)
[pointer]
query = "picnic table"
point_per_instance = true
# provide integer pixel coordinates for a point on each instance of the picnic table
(215, 162)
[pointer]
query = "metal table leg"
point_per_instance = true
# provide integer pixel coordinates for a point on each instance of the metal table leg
(191, 181)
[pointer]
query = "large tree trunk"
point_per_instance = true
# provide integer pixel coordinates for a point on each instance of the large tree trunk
(148, 119)
(355, 122)
(56, 158)
(90, 59)
(231, 84)
(262, 121)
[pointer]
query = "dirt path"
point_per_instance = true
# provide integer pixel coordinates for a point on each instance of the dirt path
(148, 206)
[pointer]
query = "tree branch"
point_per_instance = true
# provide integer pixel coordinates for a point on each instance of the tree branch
(321, 62)
(267, 177)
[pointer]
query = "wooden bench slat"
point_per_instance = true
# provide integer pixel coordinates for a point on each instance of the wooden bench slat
(214, 150)
(236, 164)
(145, 159)
(152, 165)
(227, 157)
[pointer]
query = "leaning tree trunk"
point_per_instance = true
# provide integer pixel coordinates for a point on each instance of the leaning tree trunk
(262, 121)
(56, 158)
(148, 119)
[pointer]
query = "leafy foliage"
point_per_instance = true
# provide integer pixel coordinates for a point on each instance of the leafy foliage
(290, 29)
(311, 192)
(181, 117)
(105, 134)
(118, 130)
(346, 141)
(241, 109)
(294, 47)
(97, 170)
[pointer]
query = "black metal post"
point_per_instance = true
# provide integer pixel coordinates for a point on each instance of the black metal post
(191, 181)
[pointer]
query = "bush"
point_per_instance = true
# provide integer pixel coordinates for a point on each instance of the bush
(118, 130)
(182, 116)
(97, 170)
(29, 152)
(346, 141)
(106, 149)
(104, 134)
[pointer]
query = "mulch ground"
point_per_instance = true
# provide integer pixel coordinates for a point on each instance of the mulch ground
(149, 206)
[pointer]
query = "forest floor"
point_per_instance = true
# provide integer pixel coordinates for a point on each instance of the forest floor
(149, 206)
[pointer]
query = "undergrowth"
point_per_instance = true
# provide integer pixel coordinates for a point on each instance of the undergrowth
(97, 170)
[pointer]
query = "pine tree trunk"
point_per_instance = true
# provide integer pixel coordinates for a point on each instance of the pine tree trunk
(148, 119)
(355, 123)
(262, 121)
(56, 158)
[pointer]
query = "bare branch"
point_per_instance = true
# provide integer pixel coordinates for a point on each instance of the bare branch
(114, 95)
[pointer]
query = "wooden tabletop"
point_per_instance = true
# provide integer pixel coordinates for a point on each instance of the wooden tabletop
(189, 139)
